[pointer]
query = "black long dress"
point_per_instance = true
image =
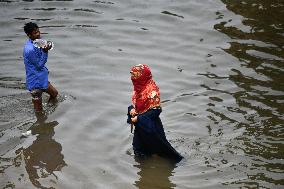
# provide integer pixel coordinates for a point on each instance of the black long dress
(149, 136)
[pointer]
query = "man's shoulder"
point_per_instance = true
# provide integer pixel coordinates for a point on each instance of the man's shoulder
(28, 47)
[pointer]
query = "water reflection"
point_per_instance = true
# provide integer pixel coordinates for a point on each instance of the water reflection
(259, 94)
(155, 172)
(44, 157)
(11, 83)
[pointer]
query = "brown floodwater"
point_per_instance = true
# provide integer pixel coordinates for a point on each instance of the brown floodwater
(220, 68)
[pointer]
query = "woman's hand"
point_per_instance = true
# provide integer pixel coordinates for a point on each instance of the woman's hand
(133, 112)
(134, 119)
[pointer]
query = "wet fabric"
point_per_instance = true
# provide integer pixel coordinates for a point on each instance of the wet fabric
(149, 136)
(36, 93)
(146, 93)
(36, 71)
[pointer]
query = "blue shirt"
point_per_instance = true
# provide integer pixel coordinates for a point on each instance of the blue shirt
(36, 71)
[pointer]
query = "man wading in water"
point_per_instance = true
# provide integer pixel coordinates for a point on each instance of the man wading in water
(36, 71)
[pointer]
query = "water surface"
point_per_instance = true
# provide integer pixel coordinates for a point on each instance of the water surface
(219, 66)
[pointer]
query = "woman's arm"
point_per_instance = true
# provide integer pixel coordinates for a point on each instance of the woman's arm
(150, 114)
(148, 117)
(148, 120)
(128, 114)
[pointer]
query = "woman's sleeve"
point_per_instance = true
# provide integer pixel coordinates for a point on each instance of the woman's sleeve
(147, 119)
(150, 114)
(128, 114)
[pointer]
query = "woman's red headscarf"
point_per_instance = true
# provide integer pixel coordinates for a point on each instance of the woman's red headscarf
(146, 94)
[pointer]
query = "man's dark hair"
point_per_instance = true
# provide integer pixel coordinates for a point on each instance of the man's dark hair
(29, 27)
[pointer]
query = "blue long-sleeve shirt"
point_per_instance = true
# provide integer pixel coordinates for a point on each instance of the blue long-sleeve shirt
(36, 71)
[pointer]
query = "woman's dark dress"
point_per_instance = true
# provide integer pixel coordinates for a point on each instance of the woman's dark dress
(149, 136)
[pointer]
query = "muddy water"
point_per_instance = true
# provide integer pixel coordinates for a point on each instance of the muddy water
(219, 66)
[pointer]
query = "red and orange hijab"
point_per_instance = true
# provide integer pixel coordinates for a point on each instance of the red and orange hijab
(146, 94)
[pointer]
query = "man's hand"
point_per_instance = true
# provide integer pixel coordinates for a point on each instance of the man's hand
(46, 48)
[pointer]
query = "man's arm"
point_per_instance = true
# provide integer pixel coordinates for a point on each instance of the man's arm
(38, 62)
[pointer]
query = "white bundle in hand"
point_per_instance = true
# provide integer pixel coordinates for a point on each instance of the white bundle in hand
(40, 43)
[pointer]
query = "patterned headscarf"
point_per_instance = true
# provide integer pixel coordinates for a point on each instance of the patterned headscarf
(146, 93)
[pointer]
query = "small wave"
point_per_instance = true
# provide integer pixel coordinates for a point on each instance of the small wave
(171, 14)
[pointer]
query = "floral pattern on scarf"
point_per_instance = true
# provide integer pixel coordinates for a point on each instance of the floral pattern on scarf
(146, 94)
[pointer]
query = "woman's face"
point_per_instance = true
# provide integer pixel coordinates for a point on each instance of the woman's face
(135, 74)
(136, 71)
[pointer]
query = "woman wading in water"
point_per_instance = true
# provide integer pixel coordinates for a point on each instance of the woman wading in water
(149, 136)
